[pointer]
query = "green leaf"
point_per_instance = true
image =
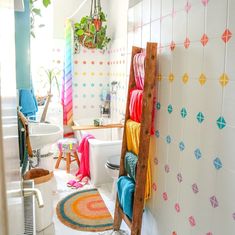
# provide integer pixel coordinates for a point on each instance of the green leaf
(80, 32)
(92, 29)
(76, 25)
(36, 11)
(46, 3)
(84, 20)
(102, 16)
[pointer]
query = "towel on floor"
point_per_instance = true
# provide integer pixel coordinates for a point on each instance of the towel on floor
(130, 164)
(28, 102)
(139, 72)
(126, 189)
(135, 107)
(84, 169)
(133, 139)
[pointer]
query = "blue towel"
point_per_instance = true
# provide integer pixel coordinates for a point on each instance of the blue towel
(28, 102)
(126, 189)
(130, 164)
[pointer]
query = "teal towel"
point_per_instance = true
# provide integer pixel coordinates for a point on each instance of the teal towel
(28, 102)
(130, 164)
(126, 189)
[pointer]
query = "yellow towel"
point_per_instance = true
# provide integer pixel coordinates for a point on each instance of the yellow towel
(133, 136)
(133, 139)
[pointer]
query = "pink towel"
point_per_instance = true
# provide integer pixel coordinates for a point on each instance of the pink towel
(138, 63)
(84, 169)
(135, 108)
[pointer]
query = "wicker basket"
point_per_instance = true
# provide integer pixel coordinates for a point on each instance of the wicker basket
(88, 45)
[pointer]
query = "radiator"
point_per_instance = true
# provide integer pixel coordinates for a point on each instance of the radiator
(29, 211)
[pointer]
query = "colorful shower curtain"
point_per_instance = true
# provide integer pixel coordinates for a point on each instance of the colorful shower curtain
(66, 95)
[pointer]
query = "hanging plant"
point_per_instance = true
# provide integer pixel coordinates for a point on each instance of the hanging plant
(90, 32)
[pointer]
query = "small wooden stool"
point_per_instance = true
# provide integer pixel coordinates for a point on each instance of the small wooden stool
(67, 147)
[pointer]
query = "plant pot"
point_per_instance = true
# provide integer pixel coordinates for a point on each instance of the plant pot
(98, 24)
(89, 45)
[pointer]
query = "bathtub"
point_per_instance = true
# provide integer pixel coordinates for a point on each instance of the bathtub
(107, 143)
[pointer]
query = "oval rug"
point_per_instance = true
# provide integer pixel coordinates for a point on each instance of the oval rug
(85, 211)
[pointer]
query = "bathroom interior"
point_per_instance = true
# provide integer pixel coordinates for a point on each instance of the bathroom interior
(117, 117)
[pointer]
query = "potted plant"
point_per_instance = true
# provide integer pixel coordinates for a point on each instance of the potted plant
(90, 32)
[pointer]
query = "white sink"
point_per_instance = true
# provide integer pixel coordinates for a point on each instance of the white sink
(42, 134)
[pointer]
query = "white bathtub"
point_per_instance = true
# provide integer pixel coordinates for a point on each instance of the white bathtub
(107, 143)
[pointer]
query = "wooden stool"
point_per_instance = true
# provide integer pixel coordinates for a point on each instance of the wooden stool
(68, 149)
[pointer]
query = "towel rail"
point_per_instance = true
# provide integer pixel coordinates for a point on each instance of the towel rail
(145, 133)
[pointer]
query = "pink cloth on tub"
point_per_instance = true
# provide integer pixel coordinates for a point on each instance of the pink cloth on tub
(84, 169)
(139, 72)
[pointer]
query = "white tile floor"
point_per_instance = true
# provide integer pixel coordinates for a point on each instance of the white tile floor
(61, 191)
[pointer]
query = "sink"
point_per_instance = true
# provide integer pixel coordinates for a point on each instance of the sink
(40, 134)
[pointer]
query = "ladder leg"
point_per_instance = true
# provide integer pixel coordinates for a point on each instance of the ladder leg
(117, 217)
(136, 226)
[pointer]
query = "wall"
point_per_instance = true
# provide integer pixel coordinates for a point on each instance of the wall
(193, 164)
(91, 67)
(91, 76)
(22, 38)
(118, 58)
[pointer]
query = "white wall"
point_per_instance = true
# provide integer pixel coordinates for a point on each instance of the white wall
(10, 179)
(192, 158)
(63, 9)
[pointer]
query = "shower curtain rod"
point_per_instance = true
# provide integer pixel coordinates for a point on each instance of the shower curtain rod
(79, 8)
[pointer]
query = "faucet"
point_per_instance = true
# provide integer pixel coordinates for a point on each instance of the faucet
(27, 192)
(36, 192)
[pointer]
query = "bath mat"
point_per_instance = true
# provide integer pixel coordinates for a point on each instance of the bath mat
(85, 211)
(120, 232)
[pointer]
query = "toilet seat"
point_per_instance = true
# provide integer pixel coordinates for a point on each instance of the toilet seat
(113, 162)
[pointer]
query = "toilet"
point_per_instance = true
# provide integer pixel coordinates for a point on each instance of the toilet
(112, 167)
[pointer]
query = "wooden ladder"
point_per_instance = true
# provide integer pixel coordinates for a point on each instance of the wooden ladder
(146, 122)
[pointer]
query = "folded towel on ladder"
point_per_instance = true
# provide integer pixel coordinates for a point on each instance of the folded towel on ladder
(130, 164)
(135, 108)
(133, 139)
(126, 190)
(139, 71)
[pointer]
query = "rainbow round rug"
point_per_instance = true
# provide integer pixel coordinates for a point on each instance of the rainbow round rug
(85, 211)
